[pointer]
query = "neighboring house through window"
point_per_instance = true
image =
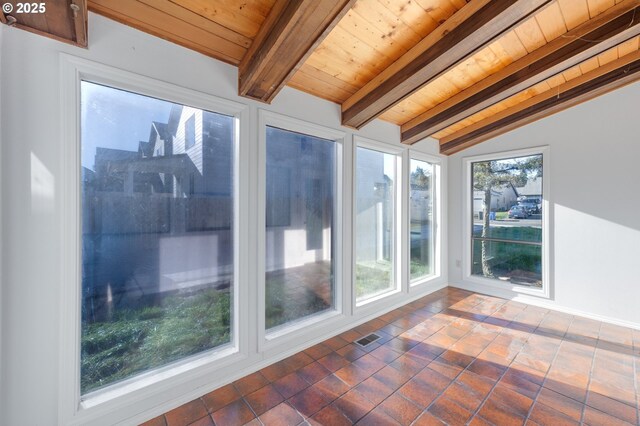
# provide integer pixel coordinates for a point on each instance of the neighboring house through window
(190, 132)
(157, 264)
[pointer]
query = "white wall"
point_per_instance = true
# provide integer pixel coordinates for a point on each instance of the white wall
(594, 209)
(31, 174)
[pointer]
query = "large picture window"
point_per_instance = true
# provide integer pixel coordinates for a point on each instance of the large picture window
(157, 233)
(506, 220)
(375, 233)
(300, 226)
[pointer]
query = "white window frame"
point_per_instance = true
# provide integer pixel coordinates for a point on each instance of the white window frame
(400, 269)
(299, 329)
(436, 209)
(74, 407)
(546, 290)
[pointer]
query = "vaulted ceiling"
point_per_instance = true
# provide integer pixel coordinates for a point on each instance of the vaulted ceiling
(459, 71)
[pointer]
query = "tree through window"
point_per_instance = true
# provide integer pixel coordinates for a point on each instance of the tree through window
(507, 220)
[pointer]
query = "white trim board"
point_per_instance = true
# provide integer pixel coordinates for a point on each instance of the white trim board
(542, 303)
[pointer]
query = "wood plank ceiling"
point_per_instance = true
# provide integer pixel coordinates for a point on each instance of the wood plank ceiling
(460, 71)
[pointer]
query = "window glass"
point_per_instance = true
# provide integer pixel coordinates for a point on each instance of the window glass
(507, 220)
(279, 196)
(300, 226)
(375, 222)
(421, 219)
(157, 234)
(190, 132)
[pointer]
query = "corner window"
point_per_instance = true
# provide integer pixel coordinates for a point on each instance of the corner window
(421, 219)
(157, 234)
(507, 220)
(300, 249)
(375, 222)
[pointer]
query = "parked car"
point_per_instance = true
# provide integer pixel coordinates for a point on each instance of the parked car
(518, 212)
(531, 205)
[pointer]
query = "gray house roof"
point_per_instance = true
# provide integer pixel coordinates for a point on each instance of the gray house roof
(145, 149)
(162, 129)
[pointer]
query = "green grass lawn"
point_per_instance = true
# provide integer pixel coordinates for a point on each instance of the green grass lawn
(417, 269)
(518, 263)
(372, 277)
(517, 233)
(142, 339)
(137, 340)
(375, 277)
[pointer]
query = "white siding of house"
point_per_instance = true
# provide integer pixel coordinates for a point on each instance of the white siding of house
(179, 147)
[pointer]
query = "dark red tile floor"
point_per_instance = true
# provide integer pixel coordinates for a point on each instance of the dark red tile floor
(453, 357)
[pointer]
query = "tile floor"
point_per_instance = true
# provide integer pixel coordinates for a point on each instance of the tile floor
(453, 357)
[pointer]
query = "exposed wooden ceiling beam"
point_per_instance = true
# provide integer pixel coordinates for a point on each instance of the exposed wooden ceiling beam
(611, 76)
(80, 17)
(467, 31)
(290, 33)
(616, 25)
(62, 20)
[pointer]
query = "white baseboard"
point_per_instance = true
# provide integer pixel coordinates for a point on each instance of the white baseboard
(543, 303)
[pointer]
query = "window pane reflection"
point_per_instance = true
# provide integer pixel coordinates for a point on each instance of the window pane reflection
(375, 219)
(300, 200)
(421, 223)
(157, 234)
